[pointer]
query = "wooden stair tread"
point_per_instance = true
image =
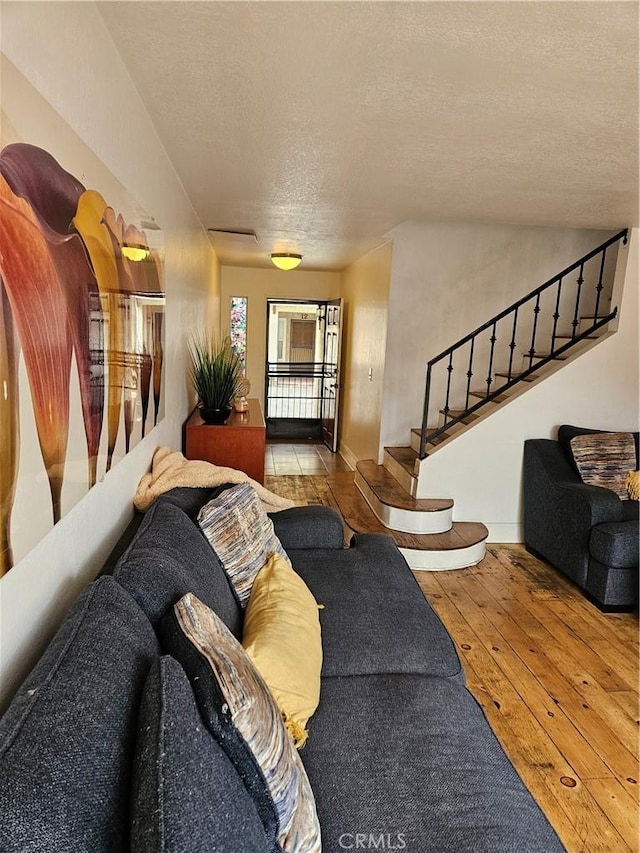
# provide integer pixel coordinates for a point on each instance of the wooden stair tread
(405, 456)
(359, 516)
(571, 337)
(531, 378)
(389, 491)
(435, 441)
(481, 395)
(455, 413)
(545, 355)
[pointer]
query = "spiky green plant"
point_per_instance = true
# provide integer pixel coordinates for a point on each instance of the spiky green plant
(216, 371)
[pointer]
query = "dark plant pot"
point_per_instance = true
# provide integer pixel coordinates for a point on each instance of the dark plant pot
(215, 416)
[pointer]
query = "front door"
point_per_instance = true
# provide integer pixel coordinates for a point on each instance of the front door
(294, 369)
(331, 373)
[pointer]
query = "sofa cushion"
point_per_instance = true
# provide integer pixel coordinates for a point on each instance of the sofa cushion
(630, 511)
(67, 739)
(186, 795)
(616, 544)
(169, 557)
(604, 460)
(282, 637)
(412, 759)
(190, 499)
(241, 533)
(374, 617)
(308, 527)
(238, 708)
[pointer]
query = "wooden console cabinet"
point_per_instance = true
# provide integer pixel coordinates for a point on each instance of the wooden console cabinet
(237, 444)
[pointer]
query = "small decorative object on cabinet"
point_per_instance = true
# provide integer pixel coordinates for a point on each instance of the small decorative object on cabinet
(216, 372)
(241, 404)
(237, 444)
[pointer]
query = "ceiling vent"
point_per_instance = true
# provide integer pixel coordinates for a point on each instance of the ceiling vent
(232, 237)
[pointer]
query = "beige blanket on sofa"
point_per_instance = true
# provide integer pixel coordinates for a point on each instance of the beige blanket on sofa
(169, 469)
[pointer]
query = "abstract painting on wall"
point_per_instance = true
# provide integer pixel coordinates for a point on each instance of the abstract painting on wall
(81, 335)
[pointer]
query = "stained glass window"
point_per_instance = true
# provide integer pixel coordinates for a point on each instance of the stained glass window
(238, 328)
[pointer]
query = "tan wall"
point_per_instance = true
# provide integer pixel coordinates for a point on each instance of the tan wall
(365, 288)
(258, 285)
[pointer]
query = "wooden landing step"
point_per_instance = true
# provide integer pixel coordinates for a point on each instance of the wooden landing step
(395, 507)
(462, 546)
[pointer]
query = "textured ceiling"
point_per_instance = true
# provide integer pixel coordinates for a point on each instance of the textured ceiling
(321, 125)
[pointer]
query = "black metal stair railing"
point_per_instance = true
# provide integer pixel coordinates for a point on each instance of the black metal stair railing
(532, 323)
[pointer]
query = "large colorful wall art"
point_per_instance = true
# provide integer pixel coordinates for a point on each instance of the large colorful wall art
(81, 336)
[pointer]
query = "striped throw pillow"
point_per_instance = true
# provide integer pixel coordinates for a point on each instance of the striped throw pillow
(242, 535)
(604, 459)
(239, 710)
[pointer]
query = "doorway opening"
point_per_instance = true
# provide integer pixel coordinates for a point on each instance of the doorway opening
(302, 369)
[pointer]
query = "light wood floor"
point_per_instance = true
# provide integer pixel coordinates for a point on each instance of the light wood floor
(557, 679)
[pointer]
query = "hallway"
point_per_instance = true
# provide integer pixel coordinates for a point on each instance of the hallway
(301, 458)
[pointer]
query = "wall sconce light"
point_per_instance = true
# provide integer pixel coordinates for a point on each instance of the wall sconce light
(134, 252)
(285, 260)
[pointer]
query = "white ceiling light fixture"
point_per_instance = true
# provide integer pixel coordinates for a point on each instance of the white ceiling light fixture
(286, 260)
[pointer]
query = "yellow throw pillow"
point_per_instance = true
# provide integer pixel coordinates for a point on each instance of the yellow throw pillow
(282, 637)
(633, 485)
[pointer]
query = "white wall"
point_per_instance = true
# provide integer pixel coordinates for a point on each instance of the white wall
(65, 52)
(482, 468)
(365, 289)
(446, 280)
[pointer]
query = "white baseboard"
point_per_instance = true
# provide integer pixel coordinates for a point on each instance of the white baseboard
(504, 531)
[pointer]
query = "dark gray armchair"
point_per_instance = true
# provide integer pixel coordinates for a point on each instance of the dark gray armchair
(586, 532)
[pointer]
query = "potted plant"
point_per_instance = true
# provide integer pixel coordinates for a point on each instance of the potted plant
(216, 372)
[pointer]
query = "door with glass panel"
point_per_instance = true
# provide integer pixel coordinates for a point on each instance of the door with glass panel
(296, 371)
(330, 403)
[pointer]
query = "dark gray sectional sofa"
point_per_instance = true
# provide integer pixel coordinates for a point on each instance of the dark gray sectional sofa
(103, 748)
(586, 532)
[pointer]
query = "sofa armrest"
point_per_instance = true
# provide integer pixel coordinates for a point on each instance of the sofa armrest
(560, 510)
(547, 468)
(303, 527)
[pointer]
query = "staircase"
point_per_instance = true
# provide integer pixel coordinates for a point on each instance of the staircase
(513, 350)
(375, 502)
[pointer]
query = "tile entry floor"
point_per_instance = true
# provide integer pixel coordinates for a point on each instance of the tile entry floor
(301, 458)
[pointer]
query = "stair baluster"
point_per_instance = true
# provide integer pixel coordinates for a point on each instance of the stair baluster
(513, 344)
(600, 285)
(469, 372)
(556, 316)
(576, 313)
(493, 340)
(536, 314)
